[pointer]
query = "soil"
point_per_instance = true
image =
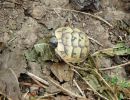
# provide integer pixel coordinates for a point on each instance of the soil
(24, 22)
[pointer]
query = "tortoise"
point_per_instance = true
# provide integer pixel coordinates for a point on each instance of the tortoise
(71, 44)
(86, 5)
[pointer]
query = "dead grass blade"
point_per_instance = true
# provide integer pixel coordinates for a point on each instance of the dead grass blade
(117, 66)
(65, 90)
(93, 16)
(37, 78)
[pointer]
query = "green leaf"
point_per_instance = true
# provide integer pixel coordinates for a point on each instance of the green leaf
(120, 45)
(121, 49)
(44, 51)
(114, 80)
(121, 97)
(31, 55)
(124, 84)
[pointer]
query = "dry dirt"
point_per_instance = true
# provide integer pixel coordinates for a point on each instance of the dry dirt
(24, 22)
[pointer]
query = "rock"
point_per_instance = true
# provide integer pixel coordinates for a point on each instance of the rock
(86, 5)
(37, 12)
(9, 85)
(62, 72)
(27, 36)
(14, 60)
(35, 68)
(52, 88)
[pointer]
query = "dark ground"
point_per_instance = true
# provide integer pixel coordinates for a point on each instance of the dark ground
(24, 22)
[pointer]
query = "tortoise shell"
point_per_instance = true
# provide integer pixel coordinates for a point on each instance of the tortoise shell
(72, 44)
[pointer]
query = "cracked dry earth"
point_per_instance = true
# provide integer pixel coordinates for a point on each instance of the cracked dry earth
(24, 22)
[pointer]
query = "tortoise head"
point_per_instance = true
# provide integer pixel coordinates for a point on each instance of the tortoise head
(53, 42)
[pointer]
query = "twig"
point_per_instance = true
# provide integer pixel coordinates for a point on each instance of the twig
(95, 41)
(24, 95)
(106, 84)
(103, 80)
(94, 90)
(37, 78)
(79, 88)
(65, 90)
(47, 95)
(15, 76)
(84, 69)
(117, 66)
(94, 16)
(98, 75)
(57, 13)
(40, 84)
(10, 41)
(88, 82)
(90, 86)
(25, 83)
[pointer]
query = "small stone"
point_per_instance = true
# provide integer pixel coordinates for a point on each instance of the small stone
(37, 12)
(86, 5)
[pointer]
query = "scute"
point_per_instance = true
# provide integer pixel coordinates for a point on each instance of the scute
(76, 52)
(66, 39)
(68, 50)
(73, 44)
(60, 47)
(58, 33)
(75, 38)
(82, 38)
(83, 51)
